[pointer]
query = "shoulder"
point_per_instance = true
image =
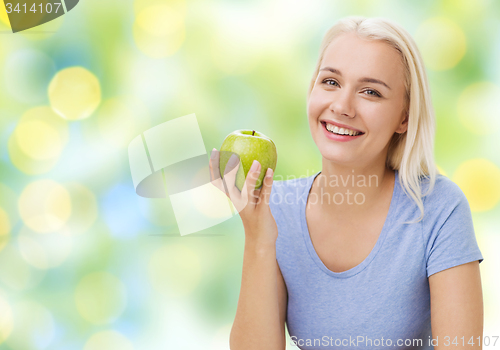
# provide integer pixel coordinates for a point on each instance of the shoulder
(444, 192)
(446, 203)
(439, 199)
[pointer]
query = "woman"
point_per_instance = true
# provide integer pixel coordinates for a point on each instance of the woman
(376, 250)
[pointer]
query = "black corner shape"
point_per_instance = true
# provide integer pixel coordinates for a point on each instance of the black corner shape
(26, 14)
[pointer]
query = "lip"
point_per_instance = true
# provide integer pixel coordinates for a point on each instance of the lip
(341, 138)
(340, 125)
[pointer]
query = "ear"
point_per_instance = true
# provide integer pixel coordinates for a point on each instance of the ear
(403, 126)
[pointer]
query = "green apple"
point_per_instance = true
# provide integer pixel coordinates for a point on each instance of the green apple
(249, 145)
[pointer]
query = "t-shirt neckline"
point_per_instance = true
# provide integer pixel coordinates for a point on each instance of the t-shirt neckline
(360, 267)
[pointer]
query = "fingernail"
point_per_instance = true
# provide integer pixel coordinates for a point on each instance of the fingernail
(212, 155)
(269, 172)
(254, 166)
(233, 160)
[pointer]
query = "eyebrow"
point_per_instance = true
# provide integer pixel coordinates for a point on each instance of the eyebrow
(361, 80)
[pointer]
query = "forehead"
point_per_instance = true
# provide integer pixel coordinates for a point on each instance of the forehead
(356, 57)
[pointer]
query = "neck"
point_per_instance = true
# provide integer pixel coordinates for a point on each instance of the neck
(350, 190)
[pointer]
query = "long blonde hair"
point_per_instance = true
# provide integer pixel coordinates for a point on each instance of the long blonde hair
(411, 153)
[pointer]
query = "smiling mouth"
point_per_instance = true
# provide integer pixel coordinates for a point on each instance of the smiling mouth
(331, 132)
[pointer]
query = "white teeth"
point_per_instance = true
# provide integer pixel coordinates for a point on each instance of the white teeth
(341, 131)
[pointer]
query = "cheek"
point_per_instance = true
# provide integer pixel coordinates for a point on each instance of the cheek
(380, 121)
(316, 104)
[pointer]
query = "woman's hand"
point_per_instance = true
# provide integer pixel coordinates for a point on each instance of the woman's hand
(252, 204)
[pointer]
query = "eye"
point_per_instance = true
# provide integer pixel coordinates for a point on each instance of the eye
(375, 93)
(328, 80)
(372, 92)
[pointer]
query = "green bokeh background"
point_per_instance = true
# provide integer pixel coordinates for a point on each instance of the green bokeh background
(117, 274)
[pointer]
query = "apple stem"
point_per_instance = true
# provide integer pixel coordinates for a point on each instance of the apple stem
(253, 132)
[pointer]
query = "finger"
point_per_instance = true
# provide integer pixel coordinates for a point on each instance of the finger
(215, 178)
(230, 172)
(214, 165)
(256, 195)
(250, 181)
(267, 185)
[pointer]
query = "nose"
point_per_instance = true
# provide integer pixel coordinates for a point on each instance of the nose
(342, 103)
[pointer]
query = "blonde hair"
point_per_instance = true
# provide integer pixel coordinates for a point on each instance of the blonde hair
(411, 153)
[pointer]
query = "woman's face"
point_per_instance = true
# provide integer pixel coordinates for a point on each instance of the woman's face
(360, 86)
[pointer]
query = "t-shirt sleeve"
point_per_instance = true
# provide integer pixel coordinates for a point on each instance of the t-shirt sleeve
(452, 241)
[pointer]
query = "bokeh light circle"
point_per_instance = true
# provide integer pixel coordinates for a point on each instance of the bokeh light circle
(479, 179)
(109, 340)
(100, 298)
(44, 251)
(478, 108)
(160, 20)
(26, 164)
(442, 43)
(175, 270)
(6, 321)
(38, 140)
(44, 206)
(4, 228)
(159, 30)
(33, 326)
(74, 93)
(46, 115)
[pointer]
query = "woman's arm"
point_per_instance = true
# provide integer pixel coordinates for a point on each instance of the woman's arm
(457, 307)
(261, 312)
(282, 302)
(260, 319)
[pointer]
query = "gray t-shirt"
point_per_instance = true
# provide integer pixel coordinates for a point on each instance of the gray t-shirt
(384, 302)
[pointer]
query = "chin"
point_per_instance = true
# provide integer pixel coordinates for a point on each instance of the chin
(338, 155)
